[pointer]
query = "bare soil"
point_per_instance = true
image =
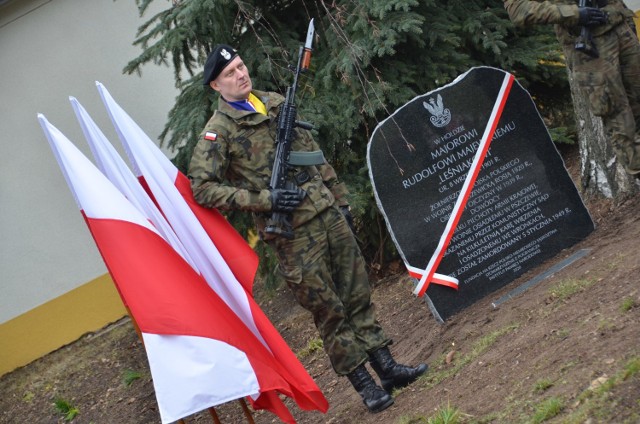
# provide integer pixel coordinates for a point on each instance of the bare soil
(567, 350)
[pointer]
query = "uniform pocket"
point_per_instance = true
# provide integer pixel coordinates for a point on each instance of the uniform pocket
(291, 274)
(596, 87)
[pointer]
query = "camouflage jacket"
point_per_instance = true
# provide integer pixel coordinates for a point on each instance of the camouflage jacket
(564, 14)
(232, 163)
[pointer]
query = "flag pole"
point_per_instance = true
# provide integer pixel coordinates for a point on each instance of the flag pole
(247, 412)
(214, 415)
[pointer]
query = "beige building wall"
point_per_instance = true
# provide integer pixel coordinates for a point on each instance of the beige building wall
(53, 282)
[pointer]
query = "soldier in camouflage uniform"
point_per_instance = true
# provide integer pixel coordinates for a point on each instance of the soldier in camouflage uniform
(611, 81)
(231, 169)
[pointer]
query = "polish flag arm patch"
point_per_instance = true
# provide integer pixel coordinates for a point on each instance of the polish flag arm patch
(210, 136)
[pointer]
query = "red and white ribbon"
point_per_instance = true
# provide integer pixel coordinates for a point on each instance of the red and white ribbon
(429, 275)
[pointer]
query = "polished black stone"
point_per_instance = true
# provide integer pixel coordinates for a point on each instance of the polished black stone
(523, 210)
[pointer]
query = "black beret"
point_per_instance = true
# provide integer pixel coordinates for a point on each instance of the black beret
(218, 59)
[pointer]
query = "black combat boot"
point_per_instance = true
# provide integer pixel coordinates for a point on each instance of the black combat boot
(393, 375)
(374, 398)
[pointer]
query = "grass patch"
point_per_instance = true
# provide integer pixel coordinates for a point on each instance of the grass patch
(593, 403)
(448, 415)
(542, 385)
(445, 415)
(131, 376)
(605, 325)
(313, 346)
(434, 377)
(632, 368)
(547, 410)
(628, 303)
(567, 288)
(66, 408)
(597, 403)
(516, 410)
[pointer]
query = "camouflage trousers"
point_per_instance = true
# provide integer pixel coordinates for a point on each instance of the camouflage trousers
(612, 85)
(325, 271)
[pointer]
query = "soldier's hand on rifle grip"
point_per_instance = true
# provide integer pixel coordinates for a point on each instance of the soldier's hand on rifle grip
(591, 16)
(286, 201)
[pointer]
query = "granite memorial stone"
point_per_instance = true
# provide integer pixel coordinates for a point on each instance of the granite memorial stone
(490, 215)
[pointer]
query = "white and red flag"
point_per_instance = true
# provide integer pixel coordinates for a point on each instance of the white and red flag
(238, 256)
(212, 242)
(200, 353)
(116, 170)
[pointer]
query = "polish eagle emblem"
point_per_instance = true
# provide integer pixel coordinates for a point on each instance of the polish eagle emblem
(440, 116)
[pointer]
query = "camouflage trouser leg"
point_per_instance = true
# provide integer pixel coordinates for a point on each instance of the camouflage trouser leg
(612, 84)
(324, 269)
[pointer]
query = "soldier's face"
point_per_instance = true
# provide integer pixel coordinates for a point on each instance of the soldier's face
(234, 82)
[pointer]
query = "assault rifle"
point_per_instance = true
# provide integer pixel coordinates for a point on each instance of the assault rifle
(584, 43)
(280, 223)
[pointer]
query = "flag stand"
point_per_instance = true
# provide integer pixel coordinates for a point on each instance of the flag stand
(214, 415)
(245, 409)
(216, 420)
(247, 412)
